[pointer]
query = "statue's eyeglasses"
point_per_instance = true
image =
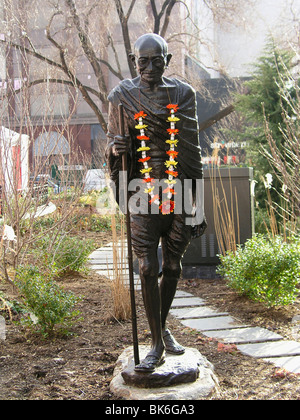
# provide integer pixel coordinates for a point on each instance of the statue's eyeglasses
(156, 61)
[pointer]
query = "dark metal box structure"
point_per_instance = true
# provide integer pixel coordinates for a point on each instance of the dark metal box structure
(234, 188)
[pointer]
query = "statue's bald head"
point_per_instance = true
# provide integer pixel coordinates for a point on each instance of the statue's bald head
(151, 57)
(147, 41)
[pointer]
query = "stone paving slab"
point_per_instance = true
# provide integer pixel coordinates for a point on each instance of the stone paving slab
(101, 263)
(212, 323)
(109, 274)
(111, 245)
(96, 264)
(291, 364)
(105, 273)
(182, 293)
(109, 250)
(104, 251)
(103, 255)
(275, 349)
(102, 259)
(187, 301)
(244, 335)
(2, 328)
(109, 269)
(105, 267)
(201, 312)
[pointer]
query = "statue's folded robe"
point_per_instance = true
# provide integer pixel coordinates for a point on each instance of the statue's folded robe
(137, 97)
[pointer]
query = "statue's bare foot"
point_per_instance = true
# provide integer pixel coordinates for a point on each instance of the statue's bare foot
(171, 345)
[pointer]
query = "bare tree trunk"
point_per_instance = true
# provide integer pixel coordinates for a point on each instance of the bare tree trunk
(166, 9)
(124, 25)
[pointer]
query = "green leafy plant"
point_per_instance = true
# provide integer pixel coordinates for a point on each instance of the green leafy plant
(268, 100)
(48, 303)
(71, 254)
(67, 253)
(265, 269)
(91, 222)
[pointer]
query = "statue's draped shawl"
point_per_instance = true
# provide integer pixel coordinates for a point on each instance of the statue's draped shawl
(135, 98)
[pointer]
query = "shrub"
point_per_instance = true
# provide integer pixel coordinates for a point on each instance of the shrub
(50, 304)
(91, 222)
(71, 254)
(265, 269)
(66, 252)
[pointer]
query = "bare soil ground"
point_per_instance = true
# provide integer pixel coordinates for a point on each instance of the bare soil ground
(80, 366)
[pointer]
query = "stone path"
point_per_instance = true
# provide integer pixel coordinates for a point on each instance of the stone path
(102, 261)
(193, 312)
(253, 341)
(43, 210)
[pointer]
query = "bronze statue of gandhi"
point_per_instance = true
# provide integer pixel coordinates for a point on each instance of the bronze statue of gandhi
(161, 142)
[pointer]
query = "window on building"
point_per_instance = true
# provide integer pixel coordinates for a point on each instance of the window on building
(50, 143)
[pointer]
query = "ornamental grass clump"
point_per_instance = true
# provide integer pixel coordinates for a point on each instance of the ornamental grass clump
(266, 269)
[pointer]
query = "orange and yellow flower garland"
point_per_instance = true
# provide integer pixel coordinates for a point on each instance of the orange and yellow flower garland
(145, 159)
(166, 206)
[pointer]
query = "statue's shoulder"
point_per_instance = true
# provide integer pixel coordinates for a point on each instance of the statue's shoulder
(183, 87)
(124, 86)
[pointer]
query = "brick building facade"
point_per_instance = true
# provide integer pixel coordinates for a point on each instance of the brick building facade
(49, 107)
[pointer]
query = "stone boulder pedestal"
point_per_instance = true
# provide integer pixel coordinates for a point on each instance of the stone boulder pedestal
(186, 377)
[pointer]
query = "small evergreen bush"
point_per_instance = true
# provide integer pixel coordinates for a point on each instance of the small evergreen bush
(71, 254)
(50, 304)
(265, 269)
(66, 252)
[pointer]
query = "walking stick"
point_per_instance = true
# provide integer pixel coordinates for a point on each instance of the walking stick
(129, 247)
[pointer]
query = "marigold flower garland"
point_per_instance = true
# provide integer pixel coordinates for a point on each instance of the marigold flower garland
(145, 159)
(166, 206)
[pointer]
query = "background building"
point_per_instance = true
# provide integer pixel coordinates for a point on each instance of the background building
(226, 55)
(223, 39)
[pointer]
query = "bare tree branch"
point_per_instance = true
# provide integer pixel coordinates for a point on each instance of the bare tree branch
(33, 53)
(75, 81)
(118, 72)
(166, 9)
(87, 47)
(87, 18)
(51, 80)
(167, 17)
(124, 25)
(130, 9)
(111, 69)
